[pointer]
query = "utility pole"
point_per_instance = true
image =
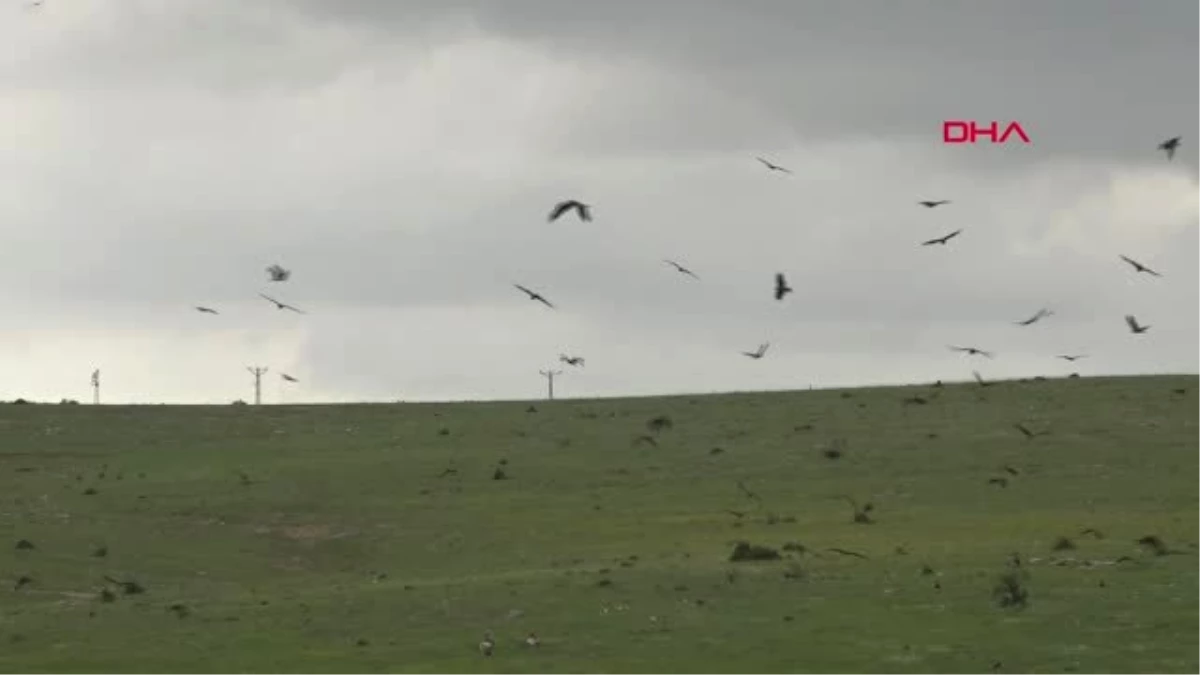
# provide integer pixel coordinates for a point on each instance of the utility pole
(96, 386)
(258, 373)
(549, 375)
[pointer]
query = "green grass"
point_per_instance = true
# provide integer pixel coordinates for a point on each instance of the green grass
(284, 573)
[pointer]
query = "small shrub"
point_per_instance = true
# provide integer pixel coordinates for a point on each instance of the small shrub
(1153, 544)
(745, 551)
(660, 423)
(1010, 591)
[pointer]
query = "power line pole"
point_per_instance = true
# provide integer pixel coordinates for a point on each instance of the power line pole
(549, 375)
(96, 386)
(258, 373)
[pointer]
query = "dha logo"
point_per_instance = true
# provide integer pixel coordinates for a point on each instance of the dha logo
(968, 131)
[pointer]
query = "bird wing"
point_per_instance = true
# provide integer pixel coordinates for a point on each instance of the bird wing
(765, 163)
(559, 209)
(1131, 322)
(543, 301)
(524, 290)
(271, 299)
(585, 211)
(294, 309)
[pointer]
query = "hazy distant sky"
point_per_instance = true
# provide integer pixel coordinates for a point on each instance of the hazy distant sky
(401, 157)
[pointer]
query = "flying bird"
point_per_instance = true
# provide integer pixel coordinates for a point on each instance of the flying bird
(207, 310)
(571, 360)
(533, 295)
(1071, 357)
(584, 210)
(1169, 146)
(1134, 326)
(287, 377)
(758, 353)
(972, 351)
(781, 286)
(1140, 267)
(932, 204)
(1041, 314)
(281, 305)
(277, 273)
(681, 269)
(773, 167)
(942, 240)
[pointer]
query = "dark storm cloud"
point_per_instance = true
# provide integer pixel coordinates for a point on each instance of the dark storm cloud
(1091, 79)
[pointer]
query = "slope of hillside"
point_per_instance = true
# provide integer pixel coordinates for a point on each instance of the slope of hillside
(375, 538)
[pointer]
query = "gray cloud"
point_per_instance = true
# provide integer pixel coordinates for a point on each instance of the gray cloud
(401, 158)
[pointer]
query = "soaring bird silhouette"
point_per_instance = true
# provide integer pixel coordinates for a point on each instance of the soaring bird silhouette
(1169, 146)
(277, 273)
(1041, 314)
(207, 310)
(288, 378)
(932, 204)
(1139, 266)
(1071, 357)
(972, 351)
(571, 360)
(584, 210)
(942, 240)
(758, 353)
(781, 286)
(533, 295)
(1134, 326)
(773, 167)
(281, 305)
(681, 269)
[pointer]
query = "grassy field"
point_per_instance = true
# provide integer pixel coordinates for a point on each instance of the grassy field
(370, 538)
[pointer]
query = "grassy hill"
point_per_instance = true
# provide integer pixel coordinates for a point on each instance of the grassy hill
(367, 538)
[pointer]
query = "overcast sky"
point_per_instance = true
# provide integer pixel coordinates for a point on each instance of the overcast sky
(401, 158)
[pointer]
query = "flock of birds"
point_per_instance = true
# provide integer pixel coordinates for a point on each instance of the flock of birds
(275, 273)
(782, 288)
